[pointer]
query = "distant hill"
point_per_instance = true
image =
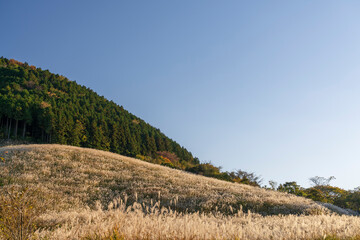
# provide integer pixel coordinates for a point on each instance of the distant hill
(78, 177)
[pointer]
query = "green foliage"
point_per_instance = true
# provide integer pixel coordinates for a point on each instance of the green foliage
(244, 177)
(323, 192)
(352, 200)
(207, 169)
(326, 193)
(170, 165)
(45, 107)
(291, 187)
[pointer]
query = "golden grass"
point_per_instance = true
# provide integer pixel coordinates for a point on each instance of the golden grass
(80, 177)
(142, 222)
(192, 207)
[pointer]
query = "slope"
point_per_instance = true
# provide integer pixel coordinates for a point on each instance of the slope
(79, 177)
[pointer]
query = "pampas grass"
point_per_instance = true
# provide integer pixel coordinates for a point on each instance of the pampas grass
(101, 195)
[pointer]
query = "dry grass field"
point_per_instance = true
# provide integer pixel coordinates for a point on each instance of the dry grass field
(100, 195)
(133, 223)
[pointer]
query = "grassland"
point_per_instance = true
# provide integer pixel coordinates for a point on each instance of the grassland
(101, 195)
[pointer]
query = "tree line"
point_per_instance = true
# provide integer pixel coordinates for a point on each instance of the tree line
(322, 191)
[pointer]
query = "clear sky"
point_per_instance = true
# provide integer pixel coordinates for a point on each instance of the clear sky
(265, 86)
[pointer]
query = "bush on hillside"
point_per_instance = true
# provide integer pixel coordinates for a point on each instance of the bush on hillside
(19, 210)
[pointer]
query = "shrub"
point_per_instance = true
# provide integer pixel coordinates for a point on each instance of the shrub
(19, 209)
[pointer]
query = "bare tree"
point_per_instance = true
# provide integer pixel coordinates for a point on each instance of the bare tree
(273, 184)
(321, 181)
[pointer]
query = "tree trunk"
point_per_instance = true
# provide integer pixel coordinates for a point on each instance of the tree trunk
(16, 127)
(24, 130)
(32, 130)
(9, 132)
(7, 125)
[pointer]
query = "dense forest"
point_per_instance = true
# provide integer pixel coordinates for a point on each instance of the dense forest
(40, 107)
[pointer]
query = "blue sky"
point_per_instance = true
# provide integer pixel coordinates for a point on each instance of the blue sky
(265, 86)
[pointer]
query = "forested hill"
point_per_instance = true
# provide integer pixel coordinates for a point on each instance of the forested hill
(39, 106)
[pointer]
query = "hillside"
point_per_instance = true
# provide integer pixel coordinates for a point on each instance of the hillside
(81, 176)
(42, 107)
(92, 194)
